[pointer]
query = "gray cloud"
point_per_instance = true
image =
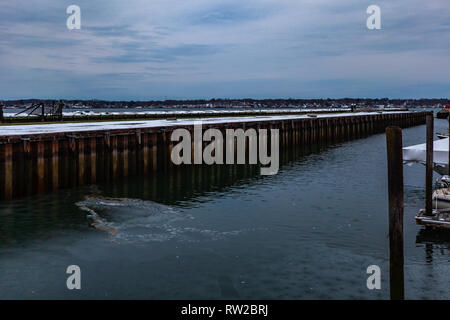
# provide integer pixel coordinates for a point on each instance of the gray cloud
(295, 48)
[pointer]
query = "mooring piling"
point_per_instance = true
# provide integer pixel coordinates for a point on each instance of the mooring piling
(93, 158)
(55, 164)
(396, 207)
(40, 148)
(429, 166)
(8, 156)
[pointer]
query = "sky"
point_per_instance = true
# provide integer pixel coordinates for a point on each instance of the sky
(202, 49)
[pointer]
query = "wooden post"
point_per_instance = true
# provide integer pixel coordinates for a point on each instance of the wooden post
(125, 155)
(106, 157)
(154, 151)
(55, 164)
(81, 165)
(114, 156)
(28, 174)
(40, 166)
(72, 148)
(145, 152)
(396, 206)
(8, 157)
(429, 167)
(93, 159)
(170, 147)
(136, 150)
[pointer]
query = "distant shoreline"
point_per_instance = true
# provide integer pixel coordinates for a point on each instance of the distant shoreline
(234, 103)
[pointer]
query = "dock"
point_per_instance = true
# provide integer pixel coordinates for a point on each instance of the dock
(38, 158)
(440, 219)
(93, 115)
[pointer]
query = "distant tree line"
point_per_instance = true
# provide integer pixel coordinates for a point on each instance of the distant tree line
(229, 103)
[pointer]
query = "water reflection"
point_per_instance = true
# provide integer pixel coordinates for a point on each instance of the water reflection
(40, 217)
(436, 243)
(186, 185)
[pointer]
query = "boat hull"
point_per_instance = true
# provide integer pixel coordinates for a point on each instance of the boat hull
(442, 114)
(441, 199)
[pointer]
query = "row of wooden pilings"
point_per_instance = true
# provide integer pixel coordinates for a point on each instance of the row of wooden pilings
(45, 162)
(394, 146)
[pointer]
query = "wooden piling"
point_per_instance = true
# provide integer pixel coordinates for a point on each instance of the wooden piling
(170, 146)
(55, 164)
(93, 158)
(114, 156)
(81, 164)
(106, 156)
(40, 163)
(154, 151)
(145, 153)
(137, 159)
(429, 167)
(8, 158)
(396, 207)
(125, 155)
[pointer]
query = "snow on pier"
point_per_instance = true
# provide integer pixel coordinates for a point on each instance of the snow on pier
(17, 130)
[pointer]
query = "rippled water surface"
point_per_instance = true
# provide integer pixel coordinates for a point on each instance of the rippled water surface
(308, 232)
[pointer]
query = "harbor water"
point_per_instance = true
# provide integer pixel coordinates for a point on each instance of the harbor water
(309, 232)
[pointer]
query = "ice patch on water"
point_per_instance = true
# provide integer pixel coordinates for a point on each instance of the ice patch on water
(96, 221)
(135, 220)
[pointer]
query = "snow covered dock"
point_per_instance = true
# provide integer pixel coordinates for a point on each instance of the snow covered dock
(69, 115)
(23, 130)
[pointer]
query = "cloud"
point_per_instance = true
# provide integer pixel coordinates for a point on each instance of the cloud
(184, 49)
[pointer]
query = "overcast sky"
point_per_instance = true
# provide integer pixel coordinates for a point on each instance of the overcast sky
(178, 49)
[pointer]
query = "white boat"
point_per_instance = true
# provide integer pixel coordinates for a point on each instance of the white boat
(440, 217)
(441, 194)
(441, 198)
(418, 153)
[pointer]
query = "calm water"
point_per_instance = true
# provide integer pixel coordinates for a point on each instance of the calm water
(309, 232)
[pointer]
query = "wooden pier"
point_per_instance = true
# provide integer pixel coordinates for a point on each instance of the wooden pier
(440, 219)
(44, 158)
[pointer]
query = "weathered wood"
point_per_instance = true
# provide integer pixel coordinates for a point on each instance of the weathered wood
(93, 158)
(429, 166)
(8, 158)
(55, 164)
(114, 156)
(145, 152)
(396, 207)
(440, 220)
(81, 163)
(170, 146)
(154, 151)
(40, 166)
(125, 155)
